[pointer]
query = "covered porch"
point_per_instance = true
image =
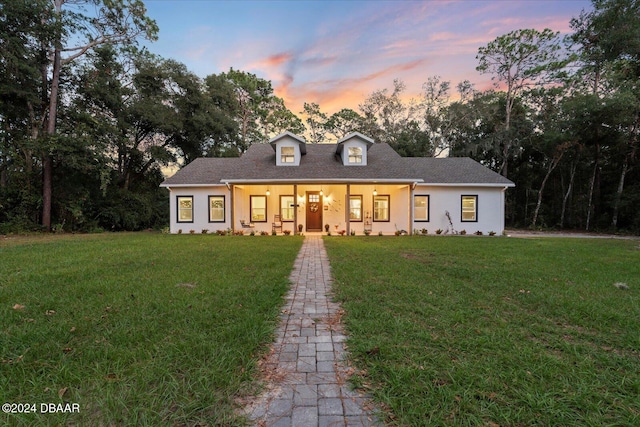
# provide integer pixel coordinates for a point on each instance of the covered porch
(318, 207)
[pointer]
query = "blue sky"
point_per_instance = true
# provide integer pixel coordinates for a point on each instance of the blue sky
(335, 53)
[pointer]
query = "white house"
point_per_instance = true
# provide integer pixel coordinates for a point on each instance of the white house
(354, 185)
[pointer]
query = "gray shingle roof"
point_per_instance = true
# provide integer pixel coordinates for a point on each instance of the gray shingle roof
(321, 164)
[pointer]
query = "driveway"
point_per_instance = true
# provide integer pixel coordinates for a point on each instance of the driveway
(576, 234)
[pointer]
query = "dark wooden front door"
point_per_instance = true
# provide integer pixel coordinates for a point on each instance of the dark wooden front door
(314, 211)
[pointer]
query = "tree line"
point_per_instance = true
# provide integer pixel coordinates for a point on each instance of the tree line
(89, 120)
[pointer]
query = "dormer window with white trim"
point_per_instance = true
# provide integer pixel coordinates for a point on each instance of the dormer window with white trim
(355, 155)
(289, 149)
(287, 154)
(352, 149)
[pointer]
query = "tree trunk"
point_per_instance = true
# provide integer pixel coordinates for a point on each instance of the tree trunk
(616, 203)
(552, 166)
(568, 193)
(591, 187)
(47, 162)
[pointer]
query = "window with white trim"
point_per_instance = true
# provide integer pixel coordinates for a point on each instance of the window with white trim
(355, 155)
(258, 207)
(287, 155)
(287, 208)
(355, 208)
(381, 208)
(421, 208)
(469, 208)
(216, 208)
(185, 208)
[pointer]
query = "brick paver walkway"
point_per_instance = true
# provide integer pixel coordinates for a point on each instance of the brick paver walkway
(306, 370)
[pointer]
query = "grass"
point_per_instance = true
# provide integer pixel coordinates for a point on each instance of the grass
(473, 331)
(138, 329)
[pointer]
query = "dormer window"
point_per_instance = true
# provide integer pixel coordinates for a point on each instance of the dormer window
(355, 155)
(353, 149)
(287, 155)
(289, 149)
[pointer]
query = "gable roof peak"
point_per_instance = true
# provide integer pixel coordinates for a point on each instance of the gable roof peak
(301, 142)
(350, 135)
(289, 134)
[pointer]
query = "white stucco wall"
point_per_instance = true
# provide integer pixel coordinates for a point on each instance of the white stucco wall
(490, 209)
(200, 209)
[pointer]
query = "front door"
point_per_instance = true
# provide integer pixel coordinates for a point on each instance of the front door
(314, 211)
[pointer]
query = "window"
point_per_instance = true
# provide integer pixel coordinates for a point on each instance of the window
(355, 208)
(314, 198)
(421, 208)
(185, 208)
(287, 208)
(381, 208)
(216, 208)
(469, 208)
(287, 155)
(355, 154)
(258, 207)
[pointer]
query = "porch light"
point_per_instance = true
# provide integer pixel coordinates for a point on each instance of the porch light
(268, 192)
(321, 193)
(375, 192)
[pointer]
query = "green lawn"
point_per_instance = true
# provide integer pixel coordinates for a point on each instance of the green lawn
(494, 331)
(137, 329)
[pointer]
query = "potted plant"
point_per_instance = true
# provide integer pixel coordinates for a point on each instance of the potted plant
(299, 228)
(326, 228)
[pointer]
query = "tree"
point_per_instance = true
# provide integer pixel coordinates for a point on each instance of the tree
(608, 55)
(344, 122)
(24, 37)
(519, 59)
(316, 122)
(280, 119)
(385, 114)
(112, 22)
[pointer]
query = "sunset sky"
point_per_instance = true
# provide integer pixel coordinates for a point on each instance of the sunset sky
(335, 53)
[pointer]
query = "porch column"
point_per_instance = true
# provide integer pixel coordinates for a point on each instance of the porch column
(347, 210)
(411, 193)
(233, 210)
(295, 208)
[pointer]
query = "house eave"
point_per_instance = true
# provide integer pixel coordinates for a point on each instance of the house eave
(466, 184)
(325, 180)
(213, 184)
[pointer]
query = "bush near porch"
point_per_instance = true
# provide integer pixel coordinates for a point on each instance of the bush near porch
(494, 331)
(138, 329)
